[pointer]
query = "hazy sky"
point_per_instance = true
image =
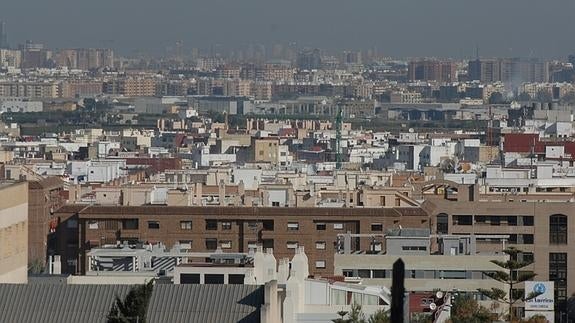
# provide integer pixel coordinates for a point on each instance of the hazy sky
(449, 28)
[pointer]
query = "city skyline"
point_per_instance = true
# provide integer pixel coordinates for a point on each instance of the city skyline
(451, 28)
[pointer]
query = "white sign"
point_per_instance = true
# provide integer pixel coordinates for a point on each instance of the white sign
(545, 301)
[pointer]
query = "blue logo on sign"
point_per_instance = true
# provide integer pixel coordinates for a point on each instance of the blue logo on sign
(539, 288)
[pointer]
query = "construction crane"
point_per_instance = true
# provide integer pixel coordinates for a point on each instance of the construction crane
(338, 126)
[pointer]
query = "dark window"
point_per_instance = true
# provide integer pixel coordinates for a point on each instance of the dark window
(513, 238)
(320, 226)
(186, 225)
(226, 225)
(211, 244)
(495, 220)
(442, 223)
(275, 203)
(236, 279)
(130, 224)
(528, 221)
(558, 274)
(348, 273)
(364, 273)
(153, 225)
(558, 229)
(378, 273)
(528, 239)
(211, 225)
(376, 227)
(463, 219)
(512, 220)
(213, 279)
(268, 243)
(189, 278)
(268, 225)
(527, 257)
(480, 219)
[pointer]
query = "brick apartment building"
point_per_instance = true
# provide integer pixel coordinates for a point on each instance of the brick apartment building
(232, 229)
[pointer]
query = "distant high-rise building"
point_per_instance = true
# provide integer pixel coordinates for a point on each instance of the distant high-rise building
(432, 70)
(309, 59)
(3, 35)
(508, 70)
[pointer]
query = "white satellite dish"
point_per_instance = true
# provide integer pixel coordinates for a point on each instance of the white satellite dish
(432, 306)
(439, 295)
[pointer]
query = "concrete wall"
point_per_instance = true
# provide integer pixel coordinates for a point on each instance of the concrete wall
(14, 233)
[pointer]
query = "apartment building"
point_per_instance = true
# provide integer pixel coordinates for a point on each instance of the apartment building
(29, 89)
(232, 229)
(540, 229)
(14, 232)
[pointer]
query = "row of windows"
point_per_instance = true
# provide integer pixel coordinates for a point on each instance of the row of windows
(416, 274)
(211, 225)
(510, 220)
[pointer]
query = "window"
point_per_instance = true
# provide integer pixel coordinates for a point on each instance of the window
(217, 279)
(153, 225)
(558, 274)
(226, 244)
(211, 244)
(320, 264)
(130, 224)
(293, 226)
(185, 244)
(376, 227)
(292, 244)
(320, 226)
(442, 223)
(93, 225)
(320, 245)
(462, 219)
(189, 278)
(512, 220)
(226, 225)
(480, 219)
(364, 273)
(275, 203)
(558, 229)
(414, 248)
(338, 226)
(186, 225)
(378, 273)
(236, 279)
(268, 225)
(528, 221)
(268, 243)
(495, 220)
(382, 200)
(211, 225)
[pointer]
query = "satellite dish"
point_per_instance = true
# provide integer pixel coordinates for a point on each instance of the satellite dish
(439, 295)
(432, 306)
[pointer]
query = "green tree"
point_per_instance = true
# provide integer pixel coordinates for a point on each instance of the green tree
(465, 309)
(357, 316)
(134, 306)
(510, 275)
